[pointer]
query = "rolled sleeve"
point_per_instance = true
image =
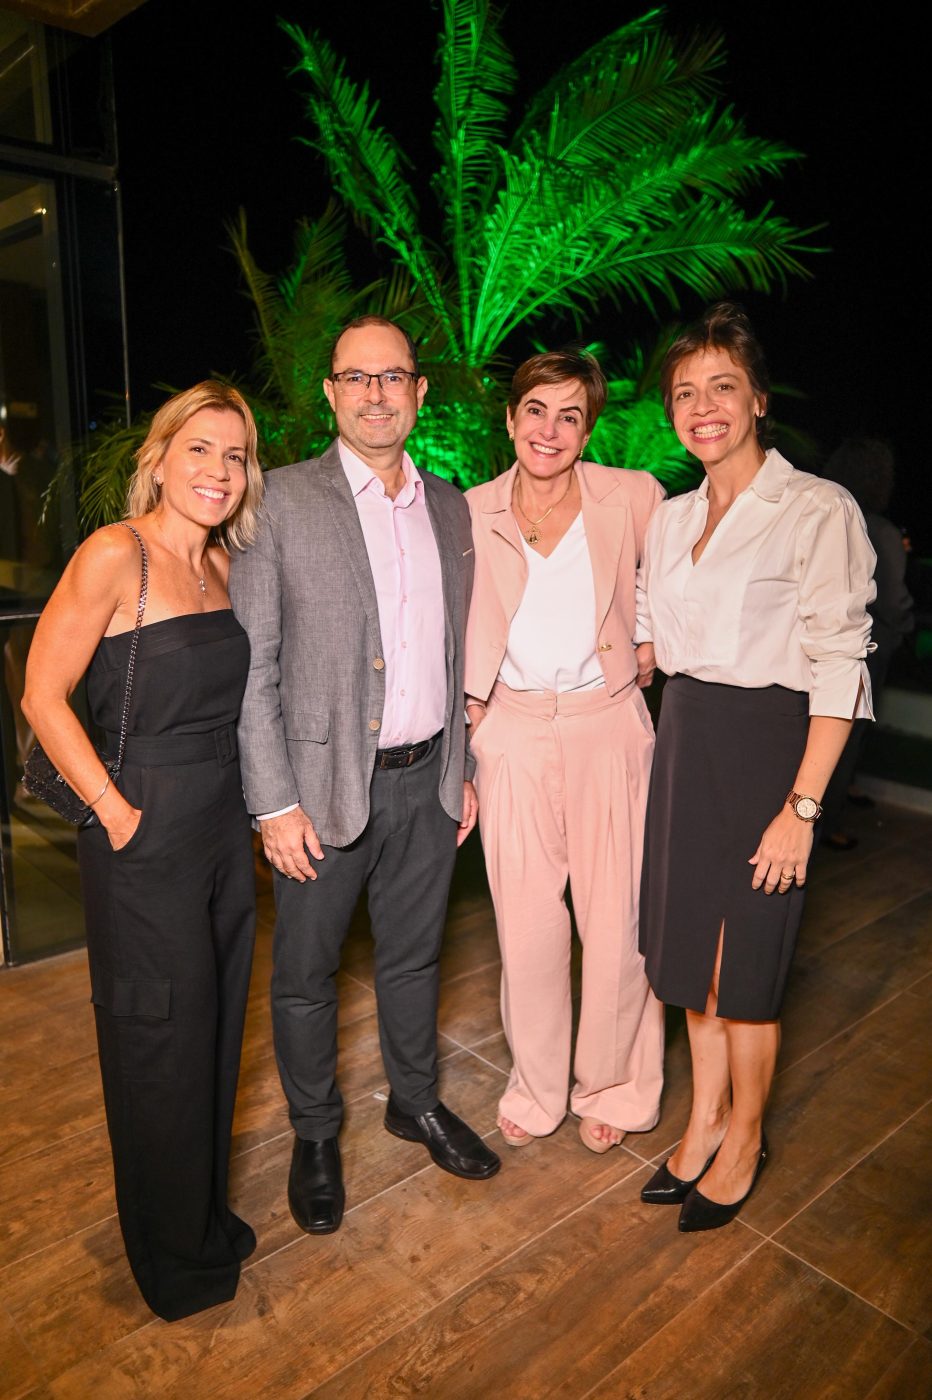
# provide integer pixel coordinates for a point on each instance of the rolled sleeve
(836, 584)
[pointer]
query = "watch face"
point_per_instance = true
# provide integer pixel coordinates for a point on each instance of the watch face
(806, 807)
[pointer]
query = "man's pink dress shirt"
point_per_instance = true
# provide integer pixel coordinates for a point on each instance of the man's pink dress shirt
(405, 566)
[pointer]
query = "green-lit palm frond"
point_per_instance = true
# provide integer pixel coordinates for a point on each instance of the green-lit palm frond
(626, 91)
(476, 73)
(633, 432)
(365, 162)
(712, 246)
(314, 296)
(105, 468)
(561, 239)
(711, 152)
(319, 258)
(460, 431)
(522, 259)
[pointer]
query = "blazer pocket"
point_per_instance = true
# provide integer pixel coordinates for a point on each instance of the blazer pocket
(306, 726)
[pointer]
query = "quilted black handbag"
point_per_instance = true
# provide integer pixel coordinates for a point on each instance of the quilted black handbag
(40, 776)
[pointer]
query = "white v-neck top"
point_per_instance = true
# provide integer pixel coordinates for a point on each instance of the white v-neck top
(552, 638)
(778, 597)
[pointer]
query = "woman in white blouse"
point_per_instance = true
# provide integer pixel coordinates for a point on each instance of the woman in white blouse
(563, 745)
(754, 595)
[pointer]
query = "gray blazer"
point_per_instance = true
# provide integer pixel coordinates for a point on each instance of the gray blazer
(304, 592)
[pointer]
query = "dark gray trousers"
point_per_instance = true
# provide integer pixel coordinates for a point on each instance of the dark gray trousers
(405, 858)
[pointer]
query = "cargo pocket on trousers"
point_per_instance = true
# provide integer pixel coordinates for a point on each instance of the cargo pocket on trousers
(141, 1011)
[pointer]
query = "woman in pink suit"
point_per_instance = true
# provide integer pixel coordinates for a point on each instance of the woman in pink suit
(563, 746)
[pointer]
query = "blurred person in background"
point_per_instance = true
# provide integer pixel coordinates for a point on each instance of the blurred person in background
(865, 467)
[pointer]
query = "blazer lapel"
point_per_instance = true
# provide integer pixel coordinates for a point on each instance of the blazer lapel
(346, 522)
(506, 558)
(604, 520)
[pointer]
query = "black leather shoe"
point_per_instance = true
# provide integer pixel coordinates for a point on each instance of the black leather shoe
(451, 1143)
(315, 1186)
(665, 1189)
(699, 1213)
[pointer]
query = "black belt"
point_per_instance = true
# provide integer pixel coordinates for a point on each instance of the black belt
(405, 754)
(158, 750)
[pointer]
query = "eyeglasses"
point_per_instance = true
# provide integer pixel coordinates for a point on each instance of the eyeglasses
(391, 381)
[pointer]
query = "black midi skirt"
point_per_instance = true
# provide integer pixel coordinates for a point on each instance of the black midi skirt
(725, 759)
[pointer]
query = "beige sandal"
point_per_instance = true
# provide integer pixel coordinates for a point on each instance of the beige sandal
(520, 1139)
(589, 1139)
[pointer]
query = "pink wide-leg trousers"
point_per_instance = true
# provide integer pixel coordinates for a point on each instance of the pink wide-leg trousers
(562, 782)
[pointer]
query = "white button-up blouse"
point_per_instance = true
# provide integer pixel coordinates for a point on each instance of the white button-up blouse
(779, 595)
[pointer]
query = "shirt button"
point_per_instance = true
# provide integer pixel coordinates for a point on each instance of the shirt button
(404, 644)
(404, 600)
(403, 692)
(378, 664)
(375, 724)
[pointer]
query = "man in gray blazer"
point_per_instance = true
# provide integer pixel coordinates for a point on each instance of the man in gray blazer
(352, 742)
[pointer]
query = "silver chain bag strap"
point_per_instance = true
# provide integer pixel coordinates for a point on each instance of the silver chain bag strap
(42, 779)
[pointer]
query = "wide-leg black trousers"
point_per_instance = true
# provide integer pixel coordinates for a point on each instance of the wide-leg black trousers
(170, 928)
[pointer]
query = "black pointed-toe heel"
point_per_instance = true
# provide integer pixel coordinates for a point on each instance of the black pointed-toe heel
(699, 1213)
(665, 1189)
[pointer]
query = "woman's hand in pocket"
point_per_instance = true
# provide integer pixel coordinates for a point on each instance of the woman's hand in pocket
(121, 828)
(475, 714)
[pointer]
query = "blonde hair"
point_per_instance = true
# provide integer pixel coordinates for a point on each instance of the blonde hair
(142, 492)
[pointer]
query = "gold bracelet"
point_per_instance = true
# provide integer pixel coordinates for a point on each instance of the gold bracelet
(101, 793)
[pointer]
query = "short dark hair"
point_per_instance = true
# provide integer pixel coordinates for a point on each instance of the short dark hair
(864, 466)
(722, 326)
(559, 367)
(361, 322)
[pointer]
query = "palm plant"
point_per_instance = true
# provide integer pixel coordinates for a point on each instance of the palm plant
(622, 182)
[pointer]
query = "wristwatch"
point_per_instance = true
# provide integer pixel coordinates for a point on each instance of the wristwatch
(806, 808)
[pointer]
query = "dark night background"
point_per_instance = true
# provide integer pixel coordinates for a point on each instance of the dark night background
(209, 121)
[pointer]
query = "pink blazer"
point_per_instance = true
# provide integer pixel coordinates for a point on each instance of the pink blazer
(616, 508)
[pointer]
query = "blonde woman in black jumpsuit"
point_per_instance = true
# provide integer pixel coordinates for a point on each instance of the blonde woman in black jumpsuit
(167, 876)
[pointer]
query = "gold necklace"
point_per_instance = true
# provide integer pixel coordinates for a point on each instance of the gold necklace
(533, 535)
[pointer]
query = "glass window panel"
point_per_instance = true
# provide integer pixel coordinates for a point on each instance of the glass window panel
(24, 107)
(37, 850)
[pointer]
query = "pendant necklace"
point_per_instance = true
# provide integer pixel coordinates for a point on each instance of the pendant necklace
(533, 535)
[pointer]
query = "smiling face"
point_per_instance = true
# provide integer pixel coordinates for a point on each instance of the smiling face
(203, 469)
(549, 428)
(715, 408)
(374, 424)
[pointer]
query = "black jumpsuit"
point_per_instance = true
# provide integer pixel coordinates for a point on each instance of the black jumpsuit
(170, 927)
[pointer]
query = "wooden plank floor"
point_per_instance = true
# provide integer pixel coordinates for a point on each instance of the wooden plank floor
(550, 1280)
